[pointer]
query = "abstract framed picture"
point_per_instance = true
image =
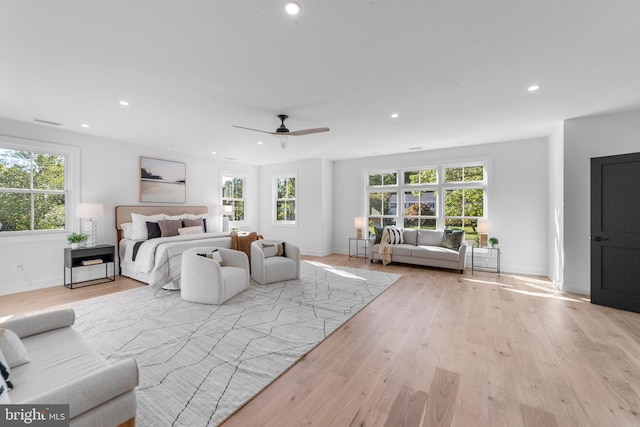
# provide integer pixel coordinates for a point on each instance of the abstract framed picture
(162, 181)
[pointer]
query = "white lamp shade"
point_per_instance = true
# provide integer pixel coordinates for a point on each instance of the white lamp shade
(90, 210)
(359, 221)
(484, 225)
(225, 210)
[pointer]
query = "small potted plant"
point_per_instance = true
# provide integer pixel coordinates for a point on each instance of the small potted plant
(493, 241)
(75, 239)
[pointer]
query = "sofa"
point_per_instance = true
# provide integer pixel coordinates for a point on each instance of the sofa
(424, 248)
(64, 369)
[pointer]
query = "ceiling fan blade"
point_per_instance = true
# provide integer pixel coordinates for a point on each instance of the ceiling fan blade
(255, 130)
(307, 131)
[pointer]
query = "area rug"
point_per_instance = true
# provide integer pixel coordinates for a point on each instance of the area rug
(199, 363)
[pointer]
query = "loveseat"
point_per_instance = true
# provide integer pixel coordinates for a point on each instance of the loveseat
(425, 248)
(63, 369)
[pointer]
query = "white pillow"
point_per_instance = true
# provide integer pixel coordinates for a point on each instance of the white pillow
(4, 363)
(127, 230)
(140, 225)
(196, 229)
(12, 348)
(173, 217)
(272, 249)
(395, 236)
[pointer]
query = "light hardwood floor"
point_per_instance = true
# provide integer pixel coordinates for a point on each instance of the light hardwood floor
(443, 349)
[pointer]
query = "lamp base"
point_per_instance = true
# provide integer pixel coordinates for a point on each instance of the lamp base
(359, 233)
(225, 224)
(484, 240)
(90, 228)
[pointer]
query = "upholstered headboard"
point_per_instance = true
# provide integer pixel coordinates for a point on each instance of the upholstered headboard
(123, 213)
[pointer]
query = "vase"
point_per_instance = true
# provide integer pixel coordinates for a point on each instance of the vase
(75, 245)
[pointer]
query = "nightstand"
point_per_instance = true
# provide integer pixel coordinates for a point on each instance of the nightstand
(364, 243)
(485, 253)
(85, 257)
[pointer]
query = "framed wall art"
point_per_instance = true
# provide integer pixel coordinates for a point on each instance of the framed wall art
(162, 181)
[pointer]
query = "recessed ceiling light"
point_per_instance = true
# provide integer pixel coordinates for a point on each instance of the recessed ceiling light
(259, 142)
(394, 115)
(124, 103)
(213, 152)
(84, 125)
(292, 8)
(533, 88)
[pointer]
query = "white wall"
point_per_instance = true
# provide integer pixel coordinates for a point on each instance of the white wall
(556, 207)
(109, 174)
(584, 138)
(314, 201)
(518, 201)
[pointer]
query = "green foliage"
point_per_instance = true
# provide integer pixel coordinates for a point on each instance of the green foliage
(383, 179)
(76, 237)
(232, 195)
(25, 180)
(494, 240)
(425, 176)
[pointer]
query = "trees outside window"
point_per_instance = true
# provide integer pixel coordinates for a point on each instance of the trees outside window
(285, 199)
(233, 195)
(32, 191)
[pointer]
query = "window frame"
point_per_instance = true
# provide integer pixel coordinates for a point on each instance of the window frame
(70, 191)
(243, 177)
(439, 187)
(274, 205)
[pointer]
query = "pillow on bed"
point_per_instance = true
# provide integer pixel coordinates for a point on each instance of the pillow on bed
(153, 230)
(188, 222)
(140, 225)
(127, 230)
(196, 229)
(169, 228)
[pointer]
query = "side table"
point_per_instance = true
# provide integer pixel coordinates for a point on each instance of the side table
(84, 257)
(365, 245)
(488, 252)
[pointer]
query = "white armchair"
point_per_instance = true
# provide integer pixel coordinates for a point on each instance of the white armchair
(269, 268)
(207, 281)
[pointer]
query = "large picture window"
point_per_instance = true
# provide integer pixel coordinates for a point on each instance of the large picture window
(33, 192)
(233, 195)
(434, 197)
(285, 199)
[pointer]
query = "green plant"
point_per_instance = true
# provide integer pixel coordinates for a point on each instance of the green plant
(76, 238)
(493, 241)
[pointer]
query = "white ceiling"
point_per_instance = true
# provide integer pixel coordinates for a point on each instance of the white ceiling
(456, 71)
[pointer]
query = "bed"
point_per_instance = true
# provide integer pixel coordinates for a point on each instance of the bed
(155, 258)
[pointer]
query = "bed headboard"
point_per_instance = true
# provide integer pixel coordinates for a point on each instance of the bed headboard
(123, 213)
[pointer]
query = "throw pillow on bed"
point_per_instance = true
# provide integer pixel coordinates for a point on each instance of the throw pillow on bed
(169, 228)
(153, 230)
(197, 229)
(189, 222)
(452, 239)
(140, 225)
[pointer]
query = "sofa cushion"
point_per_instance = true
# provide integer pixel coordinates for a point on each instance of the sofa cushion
(378, 231)
(49, 369)
(435, 252)
(452, 239)
(430, 238)
(410, 236)
(402, 249)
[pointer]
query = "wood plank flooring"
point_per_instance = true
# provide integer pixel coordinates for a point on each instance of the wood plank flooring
(444, 349)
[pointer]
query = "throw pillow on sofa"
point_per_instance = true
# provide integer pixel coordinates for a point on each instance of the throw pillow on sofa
(452, 239)
(378, 231)
(395, 236)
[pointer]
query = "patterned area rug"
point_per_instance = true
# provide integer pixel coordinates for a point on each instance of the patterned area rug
(199, 363)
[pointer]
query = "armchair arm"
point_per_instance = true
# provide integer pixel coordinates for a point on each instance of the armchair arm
(32, 324)
(257, 263)
(293, 252)
(92, 390)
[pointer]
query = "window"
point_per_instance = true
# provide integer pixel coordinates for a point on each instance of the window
(285, 199)
(233, 195)
(33, 193)
(428, 198)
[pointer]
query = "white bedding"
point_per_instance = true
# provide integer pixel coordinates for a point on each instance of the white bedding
(159, 260)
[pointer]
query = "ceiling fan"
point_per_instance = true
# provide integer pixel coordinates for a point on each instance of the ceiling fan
(283, 132)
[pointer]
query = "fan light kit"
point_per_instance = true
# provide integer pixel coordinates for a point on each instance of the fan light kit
(284, 133)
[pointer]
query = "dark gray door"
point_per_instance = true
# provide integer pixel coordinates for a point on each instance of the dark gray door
(615, 231)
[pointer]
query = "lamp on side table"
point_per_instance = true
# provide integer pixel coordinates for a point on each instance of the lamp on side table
(89, 212)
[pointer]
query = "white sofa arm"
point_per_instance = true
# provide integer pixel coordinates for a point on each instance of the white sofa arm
(90, 391)
(32, 324)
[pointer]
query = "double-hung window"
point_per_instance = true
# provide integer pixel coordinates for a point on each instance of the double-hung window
(285, 198)
(233, 190)
(33, 190)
